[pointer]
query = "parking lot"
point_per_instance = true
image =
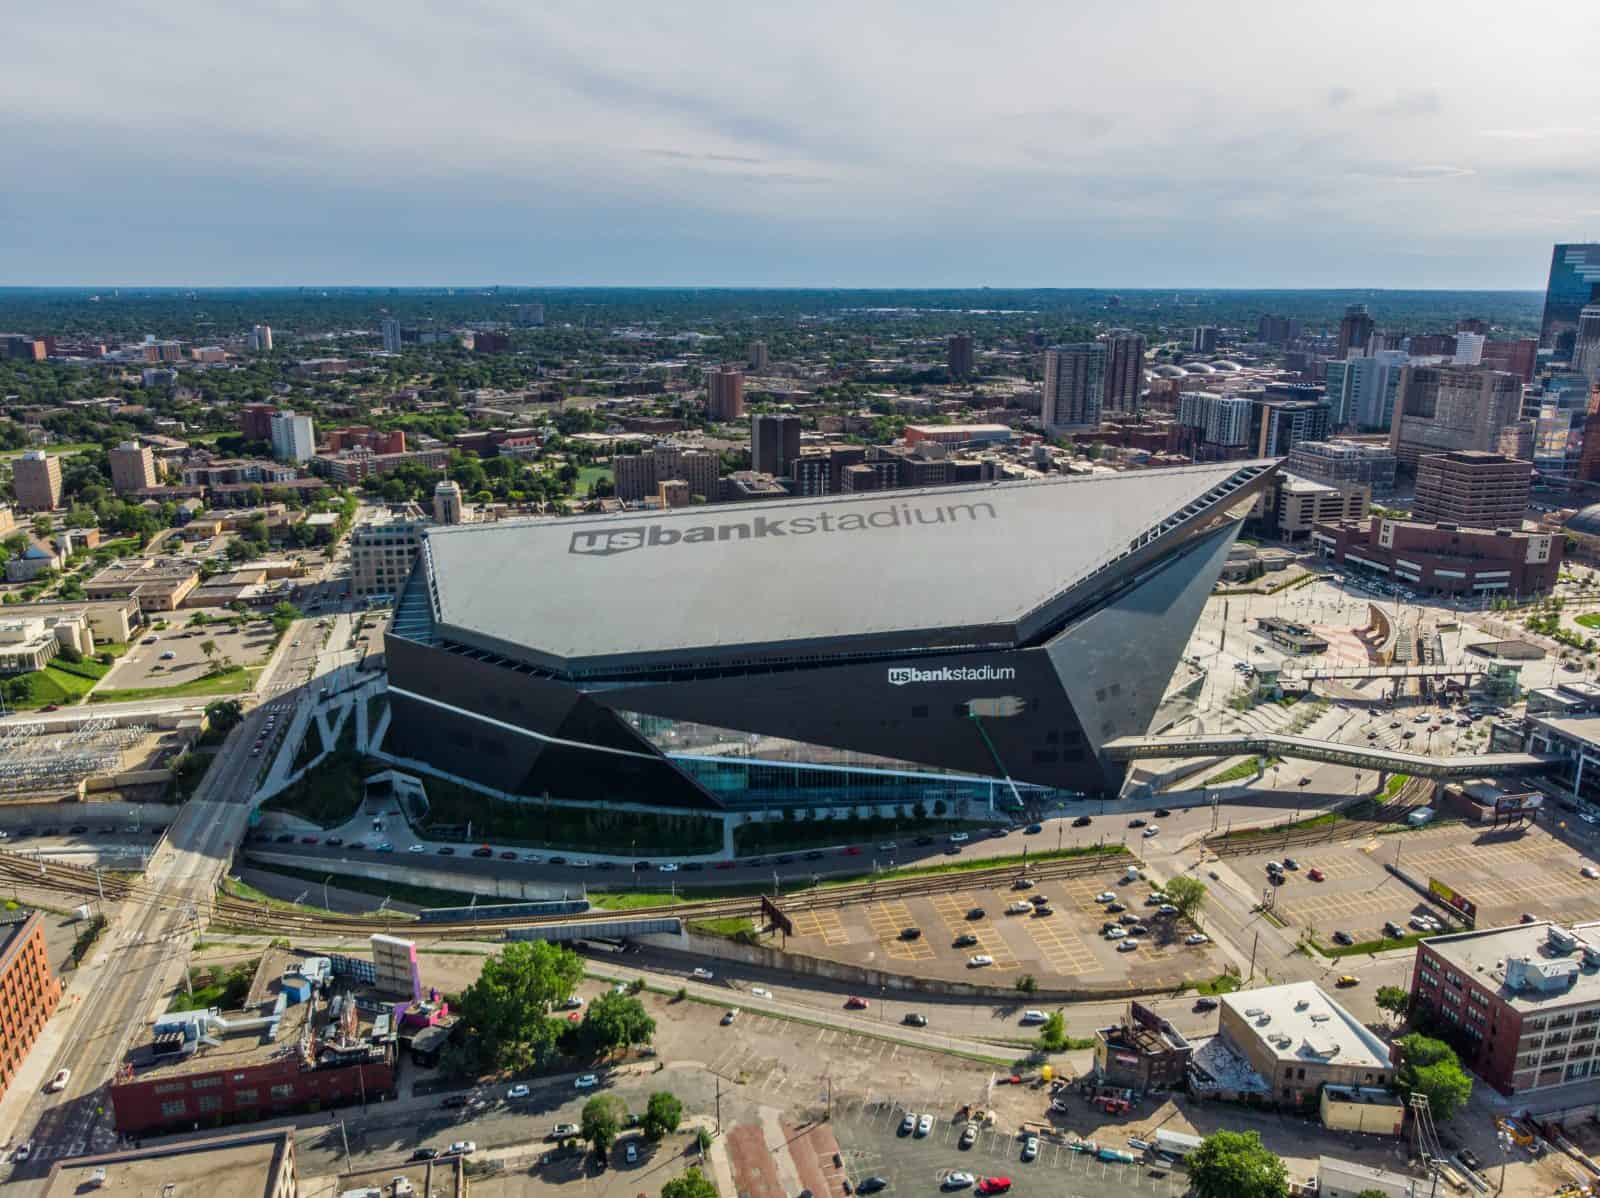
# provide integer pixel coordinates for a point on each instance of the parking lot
(146, 662)
(871, 1140)
(1064, 947)
(1505, 871)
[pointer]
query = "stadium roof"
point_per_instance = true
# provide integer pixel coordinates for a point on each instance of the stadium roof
(952, 565)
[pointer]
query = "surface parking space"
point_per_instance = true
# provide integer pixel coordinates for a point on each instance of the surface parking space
(823, 925)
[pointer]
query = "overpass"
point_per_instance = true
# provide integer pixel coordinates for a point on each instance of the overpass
(1306, 748)
(1297, 673)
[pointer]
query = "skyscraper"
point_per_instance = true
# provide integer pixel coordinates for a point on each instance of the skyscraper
(958, 355)
(1276, 330)
(757, 356)
(724, 393)
(261, 338)
(1124, 371)
(1469, 349)
(774, 442)
(293, 439)
(1355, 330)
(1445, 408)
(1574, 277)
(1361, 391)
(1586, 344)
(1204, 339)
(1074, 387)
(391, 335)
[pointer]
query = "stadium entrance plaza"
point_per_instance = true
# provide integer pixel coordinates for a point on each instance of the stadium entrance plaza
(1506, 871)
(1064, 948)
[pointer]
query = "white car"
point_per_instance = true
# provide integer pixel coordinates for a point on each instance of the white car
(956, 1181)
(760, 992)
(908, 1124)
(1590, 871)
(517, 1091)
(959, 838)
(1106, 896)
(59, 1081)
(418, 848)
(1020, 907)
(585, 1081)
(1030, 1148)
(979, 961)
(1115, 933)
(461, 1148)
(1166, 909)
(579, 863)
(1197, 938)
(924, 1125)
(631, 1152)
(1152, 830)
(705, 975)
(1128, 945)
(1033, 1017)
(668, 867)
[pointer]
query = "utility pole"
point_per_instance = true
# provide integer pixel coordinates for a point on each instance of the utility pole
(718, 1076)
(1253, 945)
(348, 1167)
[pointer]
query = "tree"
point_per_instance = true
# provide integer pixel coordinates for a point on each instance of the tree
(1188, 895)
(615, 1021)
(693, 1184)
(209, 648)
(601, 1120)
(1026, 983)
(1053, 1035)
(1393, 999)
(1233, 1164)
(1430, 1067)
(1372, 1194)
(224, 714)
(506, 1011)
(662, 1115)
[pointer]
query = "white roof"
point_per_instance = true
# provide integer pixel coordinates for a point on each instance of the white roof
(1299, 1022)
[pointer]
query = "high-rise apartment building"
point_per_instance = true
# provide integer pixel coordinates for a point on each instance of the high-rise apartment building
(1280, 424)
(1586, 343)
(1574, 284)
(133, 468)
(382, 552)
(255, 421)
(1361, 390)
(1469, 349)
(639, 476)
(774, 443)
(1339, 462)
(261, 338)
(724, 393)
(756, 356)
(447, 505)
(293, 438)
(1074, 387)
(1124, 374)
(1441, 409)
(1221, 422)
(391, 335)
(1203, 340)
(29, 991)
(1355, 330)
(1472, 489)
(36, 479)
(527, 316)
(958, 355)
(1278, 330)
(1518, 356)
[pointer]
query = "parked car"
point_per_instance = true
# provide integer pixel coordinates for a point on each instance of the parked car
(1205, 1004)
(562, 1131)
(965, 940)
(59, 1081)
(705, 975)
(855, 1003)
(1115, 933)
(913, 1019)
(1347, 980)
(956, 1181)
(1136, 822)
(979, 961)
(924, 1125)
(1083, 821)
(1128, 945)
(908, 1124)
(871, 1185)
(463, 1147)
(424, 1154)
(1343, 938)
(1030, 1148)
(1152, 830)
(585, 1081)
(969, 1135)
(910, 933)
(1197, 938)
(517, 1091)
(1316, 875)
(994, 1185)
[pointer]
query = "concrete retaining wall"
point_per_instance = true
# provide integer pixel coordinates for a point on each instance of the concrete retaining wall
(132, 778)
(865, 979)
(378, 869)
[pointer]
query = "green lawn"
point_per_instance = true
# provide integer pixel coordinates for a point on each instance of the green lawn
(229, 682)
(1589, 620)
(70, 447)
(1240, 771)
(589, 475)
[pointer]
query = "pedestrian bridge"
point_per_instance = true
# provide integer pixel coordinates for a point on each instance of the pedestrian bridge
(1306, 748)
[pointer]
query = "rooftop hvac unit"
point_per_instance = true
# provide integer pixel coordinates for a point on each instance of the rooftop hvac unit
(1252, 1011)
(1302, 1004)
(1591, 954)
(1561, 940)
(1321, 1017)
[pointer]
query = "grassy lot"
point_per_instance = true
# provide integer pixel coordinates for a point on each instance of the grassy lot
(70, 447)
(229, 682)
(1588, 620)
(730, 926)
(964, 866)
(589, 475)
(243, 890)
(215, 988)
(1395, 785)
(1239, 772)
(1223, 983)
(1382, 944)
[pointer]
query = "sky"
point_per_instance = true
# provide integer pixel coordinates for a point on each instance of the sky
(1145, 143)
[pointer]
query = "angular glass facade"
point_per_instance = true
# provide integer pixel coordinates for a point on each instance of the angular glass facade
(1574, 277)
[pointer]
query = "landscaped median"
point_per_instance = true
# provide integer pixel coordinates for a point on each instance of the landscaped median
(231, 681)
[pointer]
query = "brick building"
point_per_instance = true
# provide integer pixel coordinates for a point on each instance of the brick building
(1444, 558)
(29, 992)
(1473, 488)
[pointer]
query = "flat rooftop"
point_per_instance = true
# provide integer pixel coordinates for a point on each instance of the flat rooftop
(1583, 728)
(234, 1166)
(1483, 954)
(1299, 1022)
(949, 561)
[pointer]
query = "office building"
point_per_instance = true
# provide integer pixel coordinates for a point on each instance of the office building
(1074, 388)
(1355, 331)
(1280, 424)
(359, 436)
(1124, 372)
(756, 357)
(492, 680)
(29, 990)
(811, 474)
(1472, 489)
(1562, 425)
(261, 338)
(1292, 506)
(748, 485)
(1443, 559)
(1444, 408)
(159, 584)
(1278, 330)
(1203, 340)
(1586, 344)
(774, 443)
(1337, 462)
(1469, 349)
(724, 393)
(1297, 1039)
(447, 505)
(36, 481)
(1523, 1001)
(954, 435)
(382, 552)
(258, 1164)
(958, 355)
(490, 341)
(293, 438)
(1516, 440)
(133, 468)
(1517, 356)
(527, 316)
(391, 335)
(1574, 284)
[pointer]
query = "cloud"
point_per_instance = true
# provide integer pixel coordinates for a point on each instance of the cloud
(1338, 97)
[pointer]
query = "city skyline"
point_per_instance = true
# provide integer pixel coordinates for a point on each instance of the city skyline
(560, 148)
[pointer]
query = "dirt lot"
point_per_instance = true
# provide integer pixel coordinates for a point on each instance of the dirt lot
(1065, 947)
(1504, 871)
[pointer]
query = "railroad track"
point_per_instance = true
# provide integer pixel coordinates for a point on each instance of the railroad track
(265, 917)
(1411, 796)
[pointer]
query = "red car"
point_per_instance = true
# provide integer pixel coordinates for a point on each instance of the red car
(994, 1185)
(724, 865)
(853, 851)
(855, 1003)
(1316, 875)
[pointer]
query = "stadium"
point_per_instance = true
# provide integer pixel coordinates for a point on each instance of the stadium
(965, 644)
